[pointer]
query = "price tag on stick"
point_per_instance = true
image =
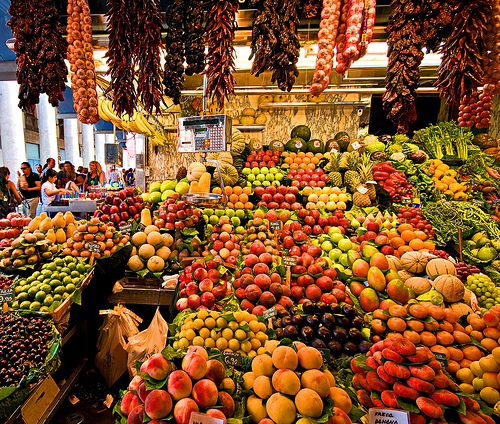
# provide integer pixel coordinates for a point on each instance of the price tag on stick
(275, 225)
(6, 295)
(289, 261)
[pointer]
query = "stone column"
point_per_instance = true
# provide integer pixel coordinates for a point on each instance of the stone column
(100, 139)
(71, 145)
(11, 128)
(47, 130)
(87, 143)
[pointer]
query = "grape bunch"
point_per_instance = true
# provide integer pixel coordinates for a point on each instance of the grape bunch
(488, 294)
(323, 326)
(5, 282)
(439, 253)
(464, 270)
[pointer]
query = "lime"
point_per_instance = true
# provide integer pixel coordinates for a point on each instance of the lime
(46, 273)
(65, 295)
(57, 297)
(80, 268)
(44, 309)
(55, 283)
(15, 305)
(48, 300)
(25, 305)
(22, 297)
(69, 259)
(52, 266)
(59, 268)
(62, 275)
(75, 274)
(70, 288)
(24, 282)
(46, 288)
(41, 277)
(72, 266)
(18, 289)
(59, 261)
(30, 279)
(88, 267)
(36, 274)
(40, 296)
(35, 306)
(66, 270)
(60, 290)
(32, 292)
(75, 281)
(67, 280)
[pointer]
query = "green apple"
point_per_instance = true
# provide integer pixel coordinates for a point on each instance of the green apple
(220, 212)
(264, 170)
(239, 230)
(246, 171)
(345, 245)
(230, 213)
(255, 170)
(327, 246)
(334, 230)
(257, 183)
(344, 260)
(208, 212)
(214, 220)
(251, 178)
(270, 177)
(261, 177)
(240, 213)
(279, 176)
(235, 221)
(334, 254)
(266, 183)
(335, 238)
(273, 170)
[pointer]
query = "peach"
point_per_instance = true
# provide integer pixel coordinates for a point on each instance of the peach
(228, 385)
(331, 378)
(142, 392)
(135, 383)
(183, 410)
(135, 416)
(285, 357)
(158, 404)
(195, 365)
(286, 382)
(281, 409)
(310, 358)
(341, 399)
(262, 386)
(305, 421)
(129, 402)
(198, 349)
(215, 413)
(248, 379)
(263, 365)
(179, 385)
(228, 405)
(309, 403)
(317, 381)
(299, 345)
(270, 345)
(340, 417)
(215, 371)
(266, 421)
(205, 393)
(158, 367)
(256, 409)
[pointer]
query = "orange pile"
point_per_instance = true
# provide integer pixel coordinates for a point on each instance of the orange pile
(237, 197)
(407, 239)
(301, 160)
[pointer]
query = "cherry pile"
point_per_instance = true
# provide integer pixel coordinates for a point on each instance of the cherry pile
(412, 216)
(439, 253)
(464, 270)
(23, 346)
(5, 282)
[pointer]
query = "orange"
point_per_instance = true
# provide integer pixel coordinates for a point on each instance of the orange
(393, 334)
(380, 314)
(472, 353)
(415, 325)
(431, 326)
(247, 190)
(429, 245)
(288, 160)
(314, 160)
(405, 227)
(427, 338)
(455, 354)
(465, 363)
(461, 337)
(412, 336)
(228, 190)
(396, 324)
(440, 349)
(319, 155)
(408, 235)
(416, 244)
(453, 366)
(233, 198)
(311, 166)
(451, 316)
(217, 190)
(444, 338)
(237, 190)
(477, 335)
(418, 311)
(297, 160)
(446, 326)
(294, 166)
(397, 242)
(248, 205)
(403, 249)
(239, 205)
(301, 154)
(436, 312)
(292, 154)
(459, 327)
(306, 160)
(378, 326)
(243, 198)
(303, 165)
(397, 311)
(421, 235)
(376, 338)
(309, 154)
(392, 234)
(489, 344)
(230, 205)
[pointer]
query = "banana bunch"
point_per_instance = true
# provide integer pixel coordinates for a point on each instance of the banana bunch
(137, 123)
(158, 139)
(108, 113)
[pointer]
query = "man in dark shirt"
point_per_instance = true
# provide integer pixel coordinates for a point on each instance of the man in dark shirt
(30, 190)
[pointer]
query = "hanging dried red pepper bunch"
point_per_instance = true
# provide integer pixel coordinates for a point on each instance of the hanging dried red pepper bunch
(311, 8)
(492, 59)
(195, 39)
(173, 78)
(461, 69)
(40, 51)
(121, 29)
(437, 16)
(147, 54)
(81, 59)
(221, 25)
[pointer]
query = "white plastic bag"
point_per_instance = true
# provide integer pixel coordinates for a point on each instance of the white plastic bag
(119, 325)
(146, 343)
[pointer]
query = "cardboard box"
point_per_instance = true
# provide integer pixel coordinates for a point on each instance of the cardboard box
(39, 401)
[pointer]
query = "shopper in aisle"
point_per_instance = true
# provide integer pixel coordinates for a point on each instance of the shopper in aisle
(39, 170)
(114, 176)
(29, 185)
(71, 184)
(130, 177)
(62, 176)
(49, 164)
(49, 189)
(95, 176)
(14, 198)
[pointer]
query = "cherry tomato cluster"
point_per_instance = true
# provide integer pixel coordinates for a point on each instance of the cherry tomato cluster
(412, 216)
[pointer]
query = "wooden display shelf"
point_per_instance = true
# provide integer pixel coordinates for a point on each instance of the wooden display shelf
(250, 127)
(142, 291)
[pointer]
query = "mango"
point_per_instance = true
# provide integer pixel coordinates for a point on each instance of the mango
(368, 251)
(352, 257)
(376, 279)
(360, 268)
(60, 236)
(368, 299)
(397, 290)
(46, 225)
(380, 261)
(34, 224)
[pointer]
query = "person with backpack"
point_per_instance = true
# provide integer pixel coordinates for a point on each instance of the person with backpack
(130, 177)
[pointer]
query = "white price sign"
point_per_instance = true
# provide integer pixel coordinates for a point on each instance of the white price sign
(388, 416)
(356, 145)
(198, 418)
(362, 190)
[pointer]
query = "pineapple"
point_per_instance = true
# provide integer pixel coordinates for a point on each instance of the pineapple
(351, 175)
(343, 160)
(181, 173)
(359, 199)
(365, 172)
(335, 176)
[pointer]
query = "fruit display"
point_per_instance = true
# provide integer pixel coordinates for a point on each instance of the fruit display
(224, 247)
(27, 343)
(263, 159)
(487, 292)
(120, 207)
(28, 250)
(238, 197)
(5, 282)
(57, 229)
(46, 289)
(259, 238)
(228, 220)
(329, 198)
(263, 176)
(239, 332)
(315, 223)
(302, 177)
(281, 197)
(171, 214)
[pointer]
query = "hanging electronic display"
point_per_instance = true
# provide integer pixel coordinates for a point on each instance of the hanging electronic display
(198, 134)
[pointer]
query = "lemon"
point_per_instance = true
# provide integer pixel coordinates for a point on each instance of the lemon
(66, 270)
(233, 325)
(234, 345)
(198, 341)
(55, 283)
(215, 334)
(198, 323)
(252, 354)
(240, 334)
(210, 343)
(190, 335)
(261, 337)
(239, 316)
(14, 304)
(80, 268)
(70, 288)
(243, 323)
(32, 292)
(210, 322)
(59, 261)
(51, 266)
(465, 375)
(254, 326)
(175, 345)
(255, 344)
(48, 300)
(36, 274)
(467, 388)
(57, 297)
(35, 306)
(30, 279)
(490, 395)
(215, 314)
(221, 343)
(203, 314)
(182, 334)
(60, 290)
(204, 333)
(246, 346)
(40, 296)
(250, 334)
(41, 278)
(25, 305)
(221, 322)
(46, 288)
(242, 353)
(263, 327)
(261, 350)
(65, 295)
(18, 289)
(67, 280)
(44, 309)
(183, 343)
(227, 333)
(23, 283)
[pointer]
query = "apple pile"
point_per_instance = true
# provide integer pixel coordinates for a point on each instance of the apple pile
(202, 285)
(175, 213)
(225, 247)
(413, 216)
(228, 220)
(11, 227)
(278, 197)
(263, 158)
(316, 224)
(258, 288)
(120, 207)
(307, 177)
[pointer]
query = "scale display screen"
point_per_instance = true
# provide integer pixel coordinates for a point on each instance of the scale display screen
(203, 133)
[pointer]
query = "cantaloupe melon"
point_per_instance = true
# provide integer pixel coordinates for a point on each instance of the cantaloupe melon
(135, 264)
(414, 262)
(146, 251)
(419, 285)
(440, 266)
(155, 264)
(450, 287)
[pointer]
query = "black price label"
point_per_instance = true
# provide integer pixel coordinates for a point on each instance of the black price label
(412, 181)
(289, 260)
(325, 353)
(232, 359)
(478, 203)
(495, 202)
(441, 357)
(125, 229)
(405, 200)
(275, 225)
(269, 313)
(94, 248)
(7, 295)
(141, 227)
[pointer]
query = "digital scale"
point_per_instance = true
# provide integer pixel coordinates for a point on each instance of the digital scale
(202, 134)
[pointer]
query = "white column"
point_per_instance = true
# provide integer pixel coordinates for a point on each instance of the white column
(100, 139)
(139, 172)
(87, 143)
(71, 146)
(47, 130)
(11, 128)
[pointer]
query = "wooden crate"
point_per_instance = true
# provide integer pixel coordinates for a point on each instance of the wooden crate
(142, 291)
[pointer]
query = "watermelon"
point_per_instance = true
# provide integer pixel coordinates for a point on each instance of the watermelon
(276, 145)
(332, 144)
(315, 146)
(301, 131)
(296, 145)
(343, 139)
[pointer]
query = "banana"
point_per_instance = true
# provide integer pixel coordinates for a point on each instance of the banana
(133, 127)
(141, 125)
(110, 111)
(142, 119)
(102, 112)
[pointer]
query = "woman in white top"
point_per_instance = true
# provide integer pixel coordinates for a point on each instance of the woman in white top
(49, 189)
